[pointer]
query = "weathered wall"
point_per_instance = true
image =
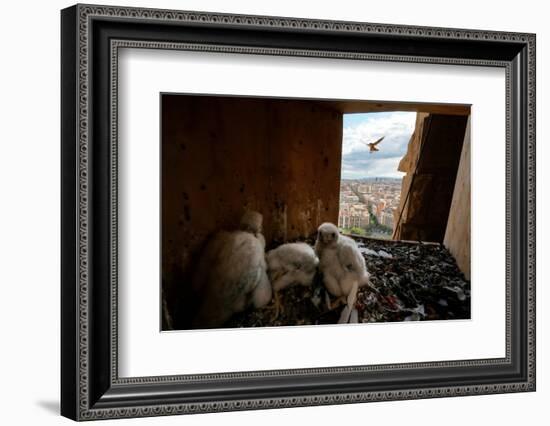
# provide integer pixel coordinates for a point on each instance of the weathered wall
(431, 164)
(408, 165)
(222, 155)
(457, 234)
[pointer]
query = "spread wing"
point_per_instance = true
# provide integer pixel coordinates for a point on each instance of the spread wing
(378, 141)
(373, 144)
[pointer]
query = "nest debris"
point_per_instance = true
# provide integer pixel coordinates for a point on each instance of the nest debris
(410, 282)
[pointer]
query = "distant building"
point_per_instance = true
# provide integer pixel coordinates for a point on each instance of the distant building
(348, 222)
(386, 218)
(351, 216)
(381, 195)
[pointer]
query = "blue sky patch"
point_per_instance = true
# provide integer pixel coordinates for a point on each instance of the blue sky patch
(360, 129)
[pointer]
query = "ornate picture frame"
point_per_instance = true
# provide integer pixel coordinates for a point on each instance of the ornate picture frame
(90, 38)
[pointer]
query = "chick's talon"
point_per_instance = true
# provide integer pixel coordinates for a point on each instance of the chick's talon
(277, 307)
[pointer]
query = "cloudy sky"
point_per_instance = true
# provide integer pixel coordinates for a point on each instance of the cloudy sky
(357, 162)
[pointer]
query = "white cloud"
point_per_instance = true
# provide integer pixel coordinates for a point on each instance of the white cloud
(385, 167)
(359, 129)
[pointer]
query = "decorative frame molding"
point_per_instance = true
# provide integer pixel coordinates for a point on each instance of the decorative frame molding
(91, 388)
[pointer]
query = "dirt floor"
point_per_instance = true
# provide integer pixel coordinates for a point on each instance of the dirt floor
(410, 282)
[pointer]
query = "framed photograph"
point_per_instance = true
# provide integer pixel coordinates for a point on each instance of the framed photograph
(263, 212)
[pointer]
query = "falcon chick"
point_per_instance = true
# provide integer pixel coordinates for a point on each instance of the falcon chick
(288, 264)
(342, 265)
(231, 274)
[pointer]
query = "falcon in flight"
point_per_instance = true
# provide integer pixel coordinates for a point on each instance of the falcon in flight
(372, 145)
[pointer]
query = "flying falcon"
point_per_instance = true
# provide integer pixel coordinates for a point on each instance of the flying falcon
(372, 145)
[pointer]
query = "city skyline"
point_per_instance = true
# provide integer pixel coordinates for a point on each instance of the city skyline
(369, 206)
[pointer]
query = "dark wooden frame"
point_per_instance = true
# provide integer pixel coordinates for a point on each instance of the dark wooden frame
(90, 386)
